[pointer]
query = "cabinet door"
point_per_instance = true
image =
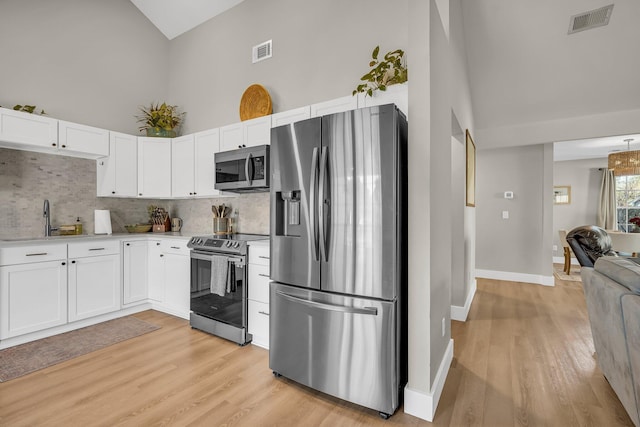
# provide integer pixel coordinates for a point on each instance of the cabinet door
(177, 270)
(231, 137)
(32, 297)
(94, 286)
(290, 116)
(83, 140)
(117, 175)
(257, 131)
(135, 272)
(182, 160)
(337, 105)
(154, 167)
(207, 143)
(258, 323)
(156, 272)
(30, 129)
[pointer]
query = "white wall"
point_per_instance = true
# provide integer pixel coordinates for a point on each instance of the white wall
(320, 51)
(86, 61)
(584, 178)
(522, 243)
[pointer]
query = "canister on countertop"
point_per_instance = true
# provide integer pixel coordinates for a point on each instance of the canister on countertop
(78, 226)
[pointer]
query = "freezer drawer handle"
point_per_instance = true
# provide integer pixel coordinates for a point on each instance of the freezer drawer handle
(355, 310)
(96, 249)
(37, 254)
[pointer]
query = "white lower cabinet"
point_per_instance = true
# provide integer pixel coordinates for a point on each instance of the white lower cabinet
(94, 279)
(135, 268)
(169, 276)
(33, 297)
(258, 307)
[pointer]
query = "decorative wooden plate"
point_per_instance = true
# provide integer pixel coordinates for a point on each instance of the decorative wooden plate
(255, 102)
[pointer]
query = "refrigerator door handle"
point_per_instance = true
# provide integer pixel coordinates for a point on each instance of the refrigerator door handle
(314, 202)
(372, 311)
(321, 195)
(247, 167)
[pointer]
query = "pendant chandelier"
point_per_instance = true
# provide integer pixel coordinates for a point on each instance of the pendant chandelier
(625, 162)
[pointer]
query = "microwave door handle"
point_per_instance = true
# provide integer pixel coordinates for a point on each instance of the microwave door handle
(248, 169)
(321, 195)
(314, 203)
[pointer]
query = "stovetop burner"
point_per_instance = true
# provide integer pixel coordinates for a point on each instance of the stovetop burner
(225, 243)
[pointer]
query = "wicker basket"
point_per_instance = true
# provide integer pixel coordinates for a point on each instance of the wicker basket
(138, 228)
(255, 102)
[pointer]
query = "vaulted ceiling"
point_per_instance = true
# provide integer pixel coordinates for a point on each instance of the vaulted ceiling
(524, 67)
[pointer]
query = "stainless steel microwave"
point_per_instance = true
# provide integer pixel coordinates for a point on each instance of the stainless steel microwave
(245, 170)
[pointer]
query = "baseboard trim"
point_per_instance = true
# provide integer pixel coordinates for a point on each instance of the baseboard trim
(537, 279)
(423, 405)
(461, 313)
(560, 260)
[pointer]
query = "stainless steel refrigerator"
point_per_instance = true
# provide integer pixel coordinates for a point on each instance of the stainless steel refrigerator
(338, 255)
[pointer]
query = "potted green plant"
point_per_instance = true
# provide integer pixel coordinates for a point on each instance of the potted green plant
(160, 120)
(390, 71)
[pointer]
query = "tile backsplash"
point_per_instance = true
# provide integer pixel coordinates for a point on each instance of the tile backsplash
(27, 178)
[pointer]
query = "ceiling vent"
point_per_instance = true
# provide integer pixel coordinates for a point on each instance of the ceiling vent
(261, 52)
(592, 19)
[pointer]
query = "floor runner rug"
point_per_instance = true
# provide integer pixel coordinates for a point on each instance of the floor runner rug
(32, 356)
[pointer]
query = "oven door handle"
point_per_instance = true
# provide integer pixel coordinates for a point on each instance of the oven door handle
(239, 261)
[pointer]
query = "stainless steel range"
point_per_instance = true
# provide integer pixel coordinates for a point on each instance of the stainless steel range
(219, 284)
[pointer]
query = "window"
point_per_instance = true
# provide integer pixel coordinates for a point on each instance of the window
(627, 200)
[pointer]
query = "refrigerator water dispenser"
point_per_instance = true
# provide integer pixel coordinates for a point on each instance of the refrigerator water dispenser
(288, 213)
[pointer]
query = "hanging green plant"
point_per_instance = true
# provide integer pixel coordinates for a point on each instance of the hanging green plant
(27, 109)
(392, 70)
(160, 120)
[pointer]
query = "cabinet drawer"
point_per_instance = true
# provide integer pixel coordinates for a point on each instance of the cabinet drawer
(29, 254)
(96, 248)
(259, 283)
(259, 323)
(173, 246)
(259, 255)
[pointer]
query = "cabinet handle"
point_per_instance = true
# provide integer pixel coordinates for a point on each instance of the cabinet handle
(53, 144)
(263, 257)
(194, 193)
(161, 255)
(263, 275)
(113, 192)
(37, 254)
(73, 262)
(191, 194)
(264, 312)
(96, 249)
(139, 194)
(128, 244)
(157, 243)
(64, 263)
(64, 146)
(175, 247)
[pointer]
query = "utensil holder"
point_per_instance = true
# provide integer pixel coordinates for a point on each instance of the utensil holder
(220, 225)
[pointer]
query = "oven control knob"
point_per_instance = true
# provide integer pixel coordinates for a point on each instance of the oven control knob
(236, 244)
(228, 243)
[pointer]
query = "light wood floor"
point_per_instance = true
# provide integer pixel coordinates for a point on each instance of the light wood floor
(523, 358)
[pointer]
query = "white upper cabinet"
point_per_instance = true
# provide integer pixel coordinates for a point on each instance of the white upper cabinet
(117, 175)
(291, 116)
(18, 128)
(182, 157)
(206, 144)
(154, 167)
(246, 134)
(82, 141)
(337, 105)
(395, 94)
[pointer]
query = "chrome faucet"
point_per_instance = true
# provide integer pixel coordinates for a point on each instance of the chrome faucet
(46, 213)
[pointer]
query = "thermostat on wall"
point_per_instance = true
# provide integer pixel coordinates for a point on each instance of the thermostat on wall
(508, 194)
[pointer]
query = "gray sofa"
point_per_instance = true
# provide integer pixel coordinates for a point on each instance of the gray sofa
(612, 291)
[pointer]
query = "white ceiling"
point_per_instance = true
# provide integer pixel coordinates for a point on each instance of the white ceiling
(174, 17)
(525, 68)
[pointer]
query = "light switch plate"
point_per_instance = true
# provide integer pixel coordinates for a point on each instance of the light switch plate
(508, 194)
(505, 214)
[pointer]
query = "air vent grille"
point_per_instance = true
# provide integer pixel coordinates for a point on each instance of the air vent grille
(592, 19)
(261, 52)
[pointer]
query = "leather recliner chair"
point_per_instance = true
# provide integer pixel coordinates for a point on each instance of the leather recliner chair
(589, 243)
